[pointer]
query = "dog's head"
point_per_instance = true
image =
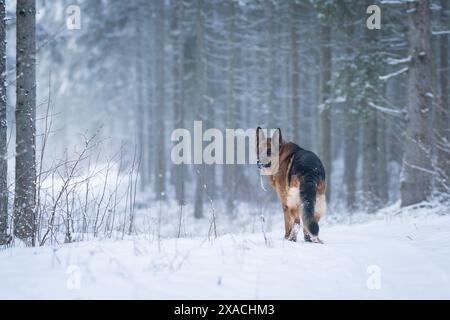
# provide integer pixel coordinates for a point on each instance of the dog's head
(268, 151)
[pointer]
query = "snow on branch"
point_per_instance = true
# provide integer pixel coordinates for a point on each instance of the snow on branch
(391, 75)
(392, 2)
(438, 33)
(419, 168)
(392, 61)
(392, 112)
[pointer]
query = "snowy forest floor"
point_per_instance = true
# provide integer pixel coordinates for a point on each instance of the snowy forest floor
(397, 254)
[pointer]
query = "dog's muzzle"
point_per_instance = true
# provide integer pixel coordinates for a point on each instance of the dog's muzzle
(263, 165)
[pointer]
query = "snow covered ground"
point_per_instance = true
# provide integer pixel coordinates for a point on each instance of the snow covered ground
(403, 256)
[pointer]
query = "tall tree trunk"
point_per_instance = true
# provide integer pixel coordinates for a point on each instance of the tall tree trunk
(351, 135)
(149, 112)
(370, 154)
(271, 67)
(179, 170)
(351, 158)
(416, 171)
(209, 105)
(443, 112)
(295, 72)
(140, 111)
(325, 100)
(25, 191)
(160, 185)
(200, 99)
(382, 160)
(370, 130)
(3, 128)
(231, 116)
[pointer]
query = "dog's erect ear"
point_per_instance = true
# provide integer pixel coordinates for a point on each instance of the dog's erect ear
(276, 136)
(260, 136)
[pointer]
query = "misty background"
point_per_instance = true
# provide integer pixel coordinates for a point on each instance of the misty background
(137, 70)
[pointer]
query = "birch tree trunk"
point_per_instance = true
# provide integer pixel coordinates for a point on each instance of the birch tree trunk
(25, 187)
(416, 170)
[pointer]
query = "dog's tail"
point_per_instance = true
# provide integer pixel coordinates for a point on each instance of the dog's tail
(308, 189)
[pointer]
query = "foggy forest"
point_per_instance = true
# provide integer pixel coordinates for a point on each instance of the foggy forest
(92, 90)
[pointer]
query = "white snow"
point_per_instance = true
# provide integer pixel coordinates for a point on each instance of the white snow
(400, 255)
(390, 111)
(392, 61)
(393, 74)
(438, 33)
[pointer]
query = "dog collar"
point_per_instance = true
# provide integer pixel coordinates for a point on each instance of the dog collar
(261, 165)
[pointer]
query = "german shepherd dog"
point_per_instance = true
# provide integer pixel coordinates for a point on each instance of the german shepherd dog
(298, 177)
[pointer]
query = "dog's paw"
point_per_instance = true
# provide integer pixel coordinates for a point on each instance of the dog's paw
(293, 234)
(316, 239)
(292, 237)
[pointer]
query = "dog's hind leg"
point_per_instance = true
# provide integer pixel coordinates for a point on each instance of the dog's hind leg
(295, 217)
(319, 211)
(321, 202)
(306, 235)
(308, 192)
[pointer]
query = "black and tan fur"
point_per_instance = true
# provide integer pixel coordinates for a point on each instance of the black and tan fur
(299, 180)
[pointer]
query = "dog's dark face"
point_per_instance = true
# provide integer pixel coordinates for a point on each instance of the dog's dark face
(267, 157)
